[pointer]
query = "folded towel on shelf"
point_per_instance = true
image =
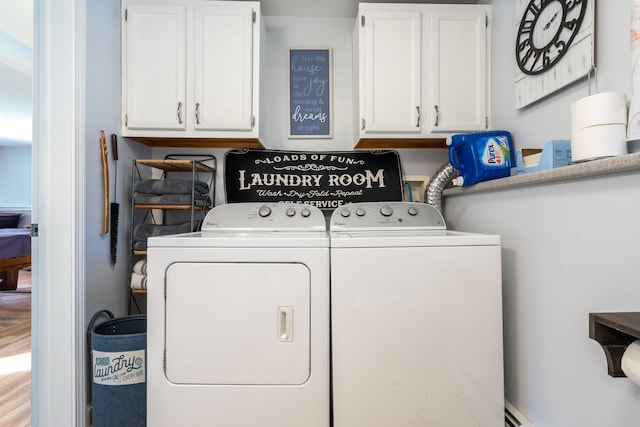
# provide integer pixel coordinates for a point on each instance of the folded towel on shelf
(142, 232)
(171, 199)
(140, 267)
(170, 186)
(140, 245)
(138, 281)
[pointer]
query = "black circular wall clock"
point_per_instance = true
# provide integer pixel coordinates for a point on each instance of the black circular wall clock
(545, 33)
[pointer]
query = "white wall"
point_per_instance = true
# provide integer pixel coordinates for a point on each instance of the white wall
(569, 248)
(107, 285)
(15, 87)
(15, 176)
(550, 118)
(285, 32)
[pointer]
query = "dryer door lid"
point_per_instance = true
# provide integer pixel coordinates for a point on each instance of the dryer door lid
(238, 323)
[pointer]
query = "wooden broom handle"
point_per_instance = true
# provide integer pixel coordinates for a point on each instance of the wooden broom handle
(105, 177)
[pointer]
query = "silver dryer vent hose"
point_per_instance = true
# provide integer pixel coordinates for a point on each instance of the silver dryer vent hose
(433, 193)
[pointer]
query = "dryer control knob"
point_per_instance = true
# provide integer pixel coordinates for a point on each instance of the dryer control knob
(264, 211)
(360, 212)
(345, 213)
(305, 212)
(386, 210)
(291, 212)
(413, 211)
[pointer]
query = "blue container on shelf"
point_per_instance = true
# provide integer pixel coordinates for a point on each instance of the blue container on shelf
(481, 156)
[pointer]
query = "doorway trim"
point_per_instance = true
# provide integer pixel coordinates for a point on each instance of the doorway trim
(59, 351)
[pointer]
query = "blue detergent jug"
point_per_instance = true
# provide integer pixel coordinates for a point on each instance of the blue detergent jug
(481, 156)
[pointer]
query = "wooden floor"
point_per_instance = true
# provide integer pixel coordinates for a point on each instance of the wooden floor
(15, 354)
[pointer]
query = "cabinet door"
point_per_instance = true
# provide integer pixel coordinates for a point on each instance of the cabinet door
(223, 60)
(458, 70)
(390, 59)
(154, 77)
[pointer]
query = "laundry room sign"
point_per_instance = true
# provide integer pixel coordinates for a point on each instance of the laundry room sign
(323, 179)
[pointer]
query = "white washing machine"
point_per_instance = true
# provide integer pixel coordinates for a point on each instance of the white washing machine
(416, 315)
(238, 320)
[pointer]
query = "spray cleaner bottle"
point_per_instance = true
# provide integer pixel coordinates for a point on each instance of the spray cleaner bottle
(481, 156)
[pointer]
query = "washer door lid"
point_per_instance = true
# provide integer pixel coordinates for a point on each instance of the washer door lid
(238, 323)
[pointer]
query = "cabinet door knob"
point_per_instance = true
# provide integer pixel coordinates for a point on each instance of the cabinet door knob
(179, 112)
(437, 110)
(197, 113)
(418, 121)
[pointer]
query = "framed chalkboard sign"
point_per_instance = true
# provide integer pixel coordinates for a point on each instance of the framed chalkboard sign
(310, 93)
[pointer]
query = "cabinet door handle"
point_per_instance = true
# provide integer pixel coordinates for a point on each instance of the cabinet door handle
(197, 113)
(179, 112)
(437, 110)
(418, 121)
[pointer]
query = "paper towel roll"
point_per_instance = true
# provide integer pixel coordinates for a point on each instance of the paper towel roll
(630, 363)
(598, 141)
(603, 108)
(599, 126)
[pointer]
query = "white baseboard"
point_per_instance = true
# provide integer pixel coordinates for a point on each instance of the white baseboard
(513, 417)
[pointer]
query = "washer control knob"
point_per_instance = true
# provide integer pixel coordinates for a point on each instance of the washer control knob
(386, 210)
(413, 211)
(305, 212)
(264, 211)
(360, 212)
(345, 213)
(290, 212)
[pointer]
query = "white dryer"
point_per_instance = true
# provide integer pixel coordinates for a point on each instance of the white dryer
(416, 315)
(238, 320)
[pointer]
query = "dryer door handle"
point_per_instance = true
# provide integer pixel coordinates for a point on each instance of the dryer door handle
(285, 324)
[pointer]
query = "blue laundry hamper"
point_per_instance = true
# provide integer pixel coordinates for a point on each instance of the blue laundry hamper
(118, 366)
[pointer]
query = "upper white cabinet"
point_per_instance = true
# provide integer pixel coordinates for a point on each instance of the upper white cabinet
(458, 68)
(154, 67)
(391, 72)
(421, 70)
(223, 68)
(191, 69)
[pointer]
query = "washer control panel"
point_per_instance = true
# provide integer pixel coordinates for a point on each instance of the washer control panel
(264, 216)
(392, 215)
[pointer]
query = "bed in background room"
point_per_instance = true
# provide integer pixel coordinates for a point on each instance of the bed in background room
(15, 247)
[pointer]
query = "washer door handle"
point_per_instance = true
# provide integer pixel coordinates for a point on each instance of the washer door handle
(285, 324)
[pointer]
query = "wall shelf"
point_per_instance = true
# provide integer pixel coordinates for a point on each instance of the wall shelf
(614, 332)
(199, 142)
(607, 166)
(379, 143)
(176, 165)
